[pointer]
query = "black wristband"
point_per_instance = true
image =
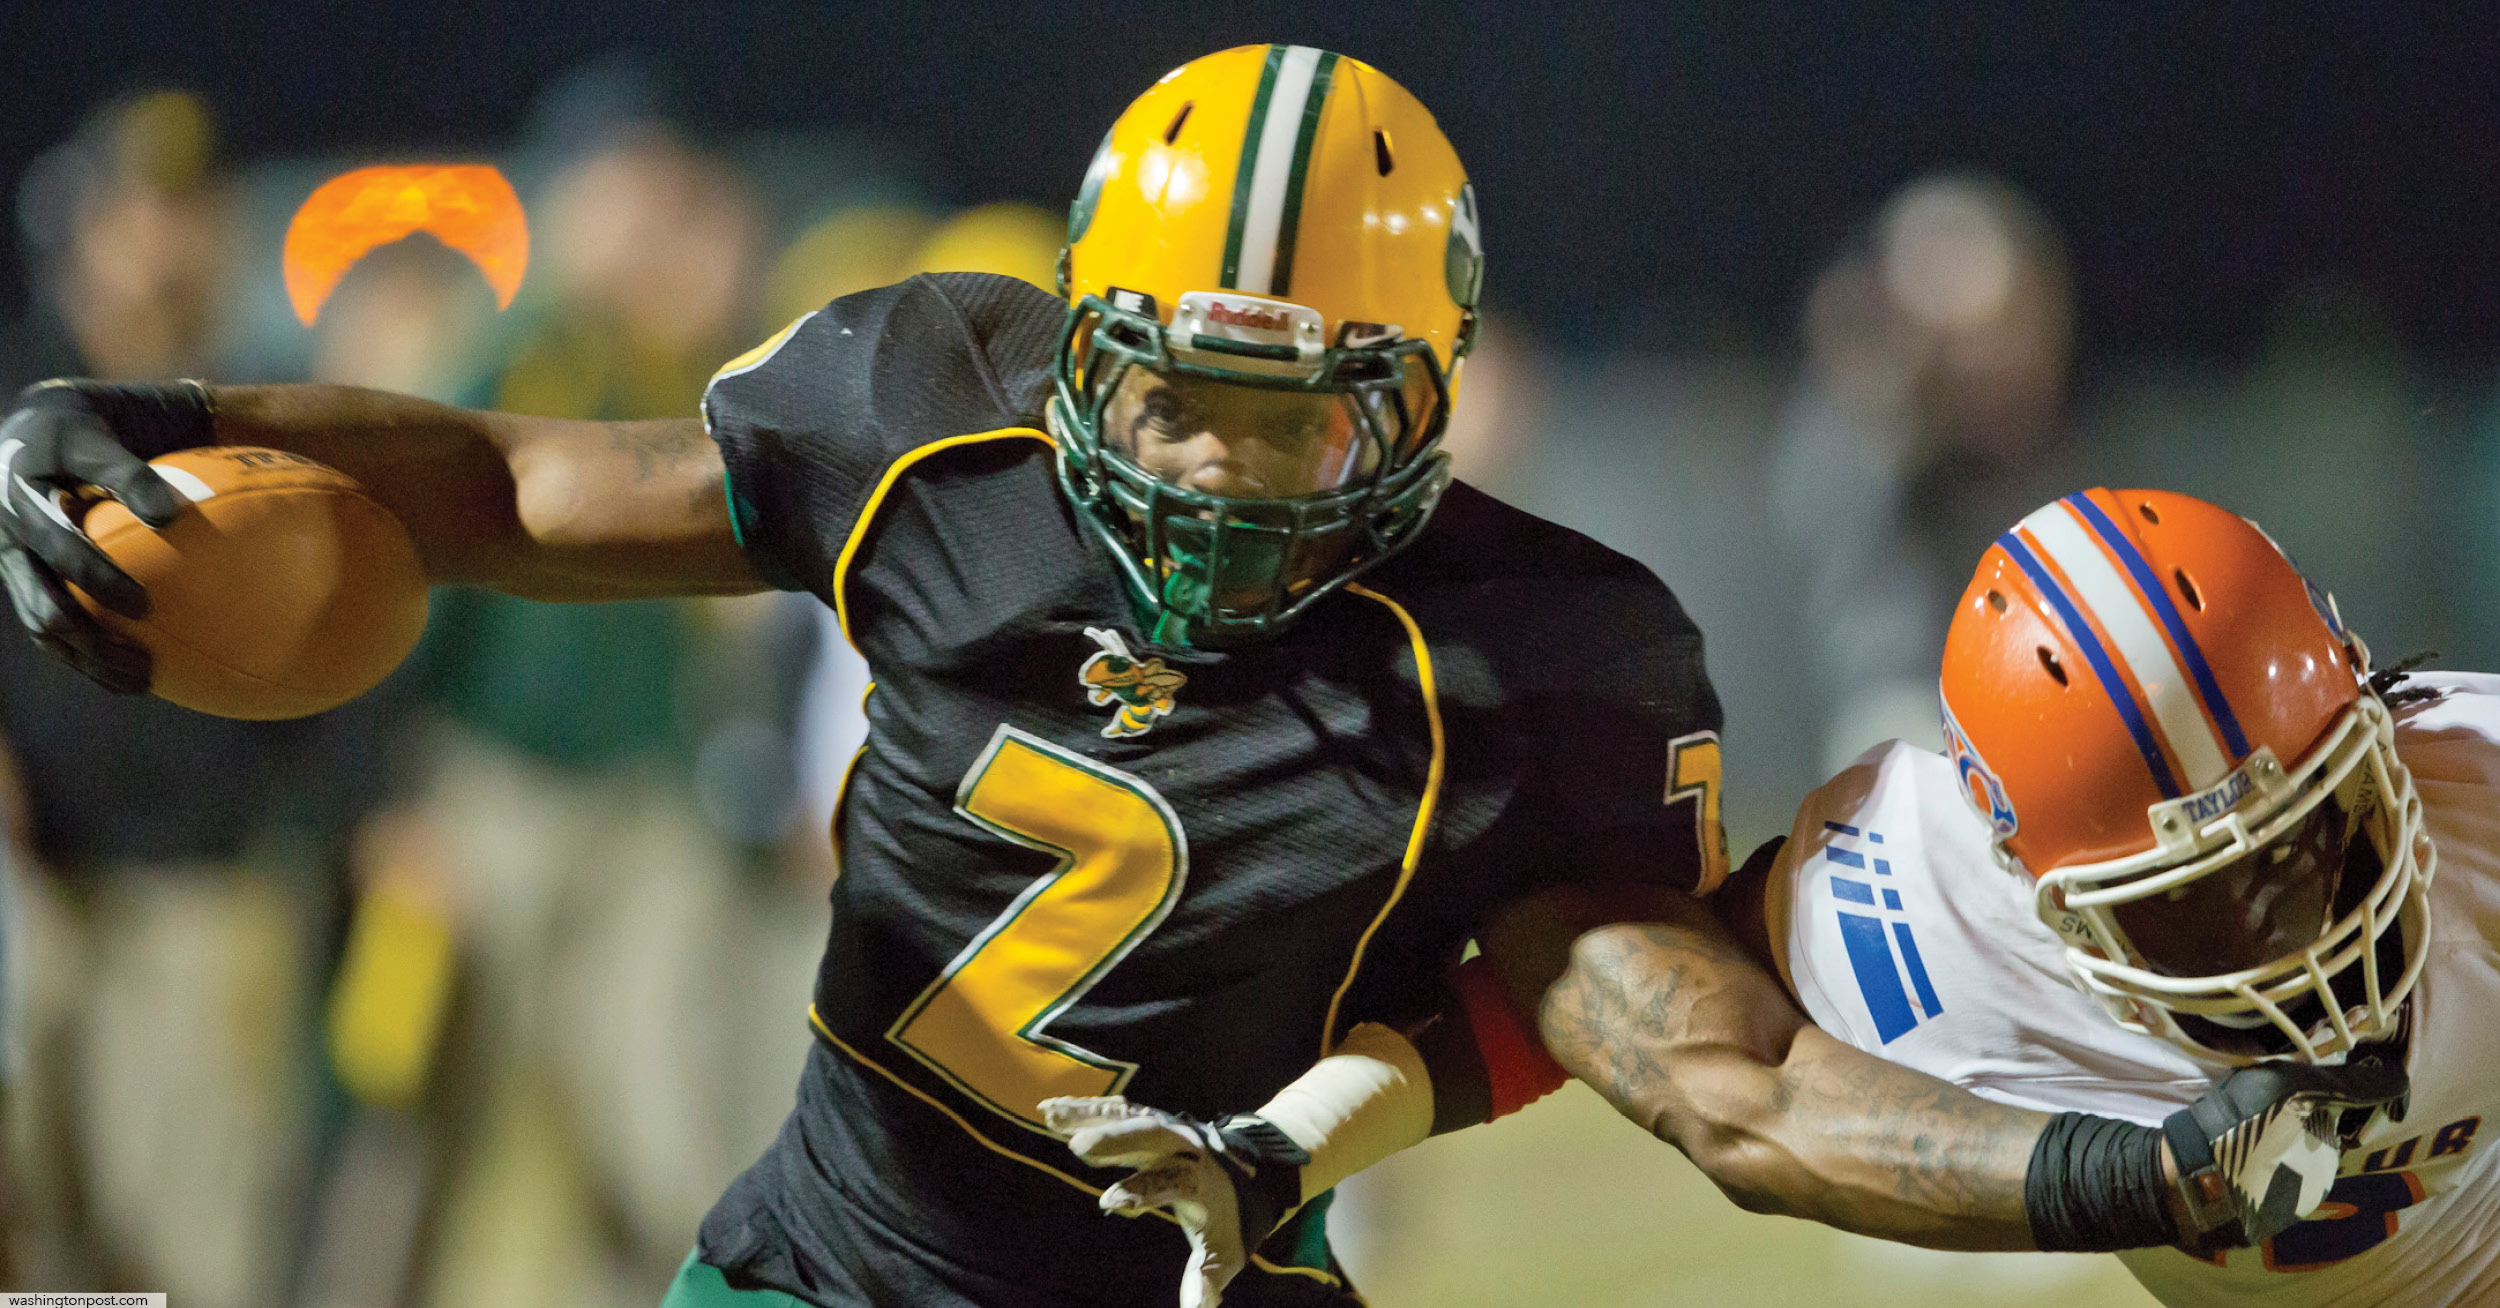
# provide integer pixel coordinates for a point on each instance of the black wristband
(2095, 1186)
(148, 420)
(1267, 1172)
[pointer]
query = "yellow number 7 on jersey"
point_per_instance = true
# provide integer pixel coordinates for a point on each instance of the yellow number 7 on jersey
(1694, 774)
(982, 1023)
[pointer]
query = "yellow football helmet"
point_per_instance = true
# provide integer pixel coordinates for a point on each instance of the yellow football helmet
(1279, 220)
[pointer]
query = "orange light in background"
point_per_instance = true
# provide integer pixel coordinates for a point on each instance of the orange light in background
(468, 207)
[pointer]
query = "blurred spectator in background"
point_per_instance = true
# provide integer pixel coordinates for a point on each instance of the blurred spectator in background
(1928, 418)
(413, 316)
(1012, 240)
(125, 234)
(848, 250)
(604, 776)
(174, 900)
(651, 247)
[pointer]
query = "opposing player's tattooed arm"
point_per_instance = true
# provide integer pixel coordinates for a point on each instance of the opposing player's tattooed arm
(547, 508)
(1644, 995)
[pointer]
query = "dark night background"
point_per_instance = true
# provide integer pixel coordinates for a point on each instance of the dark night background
(1653, 176)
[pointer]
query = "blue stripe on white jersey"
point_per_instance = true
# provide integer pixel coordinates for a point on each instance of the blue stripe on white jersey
(1879, 973)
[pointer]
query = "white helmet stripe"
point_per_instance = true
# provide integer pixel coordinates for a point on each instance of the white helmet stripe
(1272, 169)
(2113, 602)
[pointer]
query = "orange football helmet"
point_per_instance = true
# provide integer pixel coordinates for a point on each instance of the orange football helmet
(2170, 731)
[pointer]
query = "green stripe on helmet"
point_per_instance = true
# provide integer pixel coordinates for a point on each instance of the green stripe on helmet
(1249, 164)
(1089, 193)
(1280, 283)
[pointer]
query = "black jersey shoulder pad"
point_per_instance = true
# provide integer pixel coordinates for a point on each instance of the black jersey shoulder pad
(814, 420)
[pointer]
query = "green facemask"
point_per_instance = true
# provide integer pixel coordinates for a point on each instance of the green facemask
(1205, 569)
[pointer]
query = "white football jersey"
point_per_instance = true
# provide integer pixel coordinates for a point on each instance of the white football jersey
(1899, 932)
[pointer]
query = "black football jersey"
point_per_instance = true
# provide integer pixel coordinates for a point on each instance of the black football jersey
(1076, 864)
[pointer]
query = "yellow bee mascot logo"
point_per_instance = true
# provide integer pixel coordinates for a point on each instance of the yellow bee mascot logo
(1141, 687)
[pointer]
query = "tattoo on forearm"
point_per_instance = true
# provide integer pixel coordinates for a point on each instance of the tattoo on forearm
(712, 494)
(655, 446)
(1598, 1019)
(1940, 1148)
(1851, 1139)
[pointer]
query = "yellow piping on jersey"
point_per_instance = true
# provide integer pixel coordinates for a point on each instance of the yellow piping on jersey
(1423, 811)
(841, 793)
(876, 499)
(817, 1021)
(765, 349)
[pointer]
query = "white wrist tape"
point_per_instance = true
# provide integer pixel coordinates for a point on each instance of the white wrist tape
(1359, 1105)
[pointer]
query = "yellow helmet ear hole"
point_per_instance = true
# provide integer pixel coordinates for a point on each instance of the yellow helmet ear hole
(1380, 151)
(1172, 134)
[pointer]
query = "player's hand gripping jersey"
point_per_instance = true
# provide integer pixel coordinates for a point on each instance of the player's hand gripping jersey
(1076, 864)
(1899, 931)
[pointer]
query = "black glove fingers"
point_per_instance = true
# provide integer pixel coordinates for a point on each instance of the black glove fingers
(59, 624)
(2359, 1085)
(116, 665)
(2362, 1084)
(40, 528)
(2366, 1084)
(90, 455)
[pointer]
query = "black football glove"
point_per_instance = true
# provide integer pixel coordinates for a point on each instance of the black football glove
(2254, 1155)
(86, 440)
(2259, 1152)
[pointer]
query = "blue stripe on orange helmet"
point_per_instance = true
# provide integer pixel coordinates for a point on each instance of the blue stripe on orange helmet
(2129, 711)
(2158, 597)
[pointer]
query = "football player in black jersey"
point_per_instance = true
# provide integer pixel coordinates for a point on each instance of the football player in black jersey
(1211, 721)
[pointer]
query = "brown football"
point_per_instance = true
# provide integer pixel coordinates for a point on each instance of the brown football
(282, 590)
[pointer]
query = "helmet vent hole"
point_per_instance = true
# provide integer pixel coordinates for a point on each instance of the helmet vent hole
(1172, 134)
(2056, 670)
(1380, 151)
(2149, 515)
(1996, 600)
(2187, 590)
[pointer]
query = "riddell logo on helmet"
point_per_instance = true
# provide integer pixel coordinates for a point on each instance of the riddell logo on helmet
(1247, 320)
(1265, 320)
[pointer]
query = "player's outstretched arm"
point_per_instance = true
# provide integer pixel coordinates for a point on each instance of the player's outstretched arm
(1646, 997)
(1658, 1009)
(539, 507)
(547, 508)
